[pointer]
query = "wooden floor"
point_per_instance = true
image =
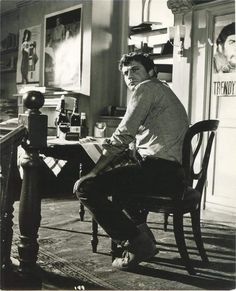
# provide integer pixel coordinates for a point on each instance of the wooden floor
(66, 259)
(219, 217)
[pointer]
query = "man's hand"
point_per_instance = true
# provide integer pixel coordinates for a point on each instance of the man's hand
(100, 166)
(78, 183)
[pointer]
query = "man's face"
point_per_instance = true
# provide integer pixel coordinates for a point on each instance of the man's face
(229, 50)
(134, 74)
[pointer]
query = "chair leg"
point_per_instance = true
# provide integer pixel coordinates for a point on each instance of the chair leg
(166, 216)
(180, 241)
(94, 239)
(195, 217)
(81, 212)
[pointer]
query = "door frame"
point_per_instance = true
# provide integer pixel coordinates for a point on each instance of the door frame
(201, 72)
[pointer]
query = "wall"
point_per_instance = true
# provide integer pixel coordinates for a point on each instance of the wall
(102, 48)
(106, 51)
(181, 81)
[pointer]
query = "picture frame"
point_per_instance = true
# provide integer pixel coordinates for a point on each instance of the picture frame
(223, 26)
(63, 49)
(223, 72)
(28, 63)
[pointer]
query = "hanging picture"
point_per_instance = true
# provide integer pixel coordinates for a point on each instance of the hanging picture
(224, 44)
(62, 49)
(28, 56)
(224, 56)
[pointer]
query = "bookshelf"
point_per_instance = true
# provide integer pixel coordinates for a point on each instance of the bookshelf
(154, 42)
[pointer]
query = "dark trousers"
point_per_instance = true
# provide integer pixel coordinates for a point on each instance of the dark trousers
(153, 177)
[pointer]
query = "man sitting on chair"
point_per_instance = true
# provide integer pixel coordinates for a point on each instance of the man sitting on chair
(157, 122)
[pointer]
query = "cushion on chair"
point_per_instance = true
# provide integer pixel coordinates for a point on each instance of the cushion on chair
(190, 200)
(191, 194)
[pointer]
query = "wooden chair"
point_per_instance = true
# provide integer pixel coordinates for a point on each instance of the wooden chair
(190, 200)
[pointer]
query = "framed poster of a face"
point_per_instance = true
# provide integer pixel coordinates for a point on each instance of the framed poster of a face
(224, 44)
(62, 49)
(224, 57)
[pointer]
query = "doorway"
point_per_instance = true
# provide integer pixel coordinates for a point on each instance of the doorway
(221, 186)
(214, 97)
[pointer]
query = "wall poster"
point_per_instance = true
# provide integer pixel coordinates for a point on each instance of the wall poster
(62, 49)
(224, 56)
(28, 56)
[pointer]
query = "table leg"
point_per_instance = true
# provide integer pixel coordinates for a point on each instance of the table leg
(29, 218)
(81, 211)
(81, 207)
(94, 239)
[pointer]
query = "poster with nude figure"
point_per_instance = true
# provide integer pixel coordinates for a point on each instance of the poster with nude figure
(28, 63)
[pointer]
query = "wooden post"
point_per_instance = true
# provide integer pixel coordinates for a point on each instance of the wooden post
(6, 231)
(30, 202)
(9, 192)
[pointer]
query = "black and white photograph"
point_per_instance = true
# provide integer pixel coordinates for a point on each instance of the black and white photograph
(225, 48)
(28, 64)
(117, 145)
(62, 51)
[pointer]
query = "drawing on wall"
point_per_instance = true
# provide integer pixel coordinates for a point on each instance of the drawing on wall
(62, 49)
(28, 56)
(225, 45)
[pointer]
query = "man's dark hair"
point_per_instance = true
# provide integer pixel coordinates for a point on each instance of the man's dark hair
(142, 58)
(225, 32)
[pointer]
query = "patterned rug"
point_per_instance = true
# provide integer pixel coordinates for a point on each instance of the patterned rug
(62, 272)
(67, 262)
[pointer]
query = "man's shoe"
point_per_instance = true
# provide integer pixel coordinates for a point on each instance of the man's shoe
(128, 261)
(144, 228)
(141, 248)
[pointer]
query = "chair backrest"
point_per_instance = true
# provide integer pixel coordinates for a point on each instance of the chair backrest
(190, 154)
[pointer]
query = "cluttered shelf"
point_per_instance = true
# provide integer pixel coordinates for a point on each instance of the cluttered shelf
(145, 33)
(8, 53)
(8, 50)
(8, 59)
(153, 39)
(161, 56)
(147, 29)
(8, 70)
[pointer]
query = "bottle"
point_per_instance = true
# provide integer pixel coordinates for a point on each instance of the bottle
(100, 129)
(83, 125)
(75, 118)
(62, 121)
(146, 49)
